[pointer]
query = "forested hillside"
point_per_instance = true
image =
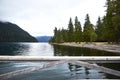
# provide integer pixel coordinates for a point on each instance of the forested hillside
(10, 32)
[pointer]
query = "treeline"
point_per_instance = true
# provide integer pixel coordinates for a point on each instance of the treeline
(74, 32)
(106, 29)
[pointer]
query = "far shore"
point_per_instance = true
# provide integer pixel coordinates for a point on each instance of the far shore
(104, 46)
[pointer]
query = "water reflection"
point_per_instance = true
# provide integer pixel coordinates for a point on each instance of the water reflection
(114, 66)
(63, 72)
(80, 72)
(76, 51)
(26, 49)
(40, 49)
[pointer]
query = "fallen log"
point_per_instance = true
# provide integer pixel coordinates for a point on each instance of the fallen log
(29, 70)
(59, 58)
(96, 67)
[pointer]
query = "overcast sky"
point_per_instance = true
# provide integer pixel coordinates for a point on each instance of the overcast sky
(39, 17)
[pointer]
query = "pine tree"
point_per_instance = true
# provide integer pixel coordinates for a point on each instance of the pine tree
(112, 21)
(109, 30)
(116, 19)
(59, 36)
(70, 31)
(99, 29)
(89, 32)
(55, 35)
(78, 31)
(64, 34)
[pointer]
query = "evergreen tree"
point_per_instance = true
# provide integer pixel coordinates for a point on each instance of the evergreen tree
(78, 31)
(116, 19)
(109, 30)
(99, 29)
(89, 32)
(112, 21)
(55, 31)
(64, 34)
(59, 36)
(70, 31)
(55, 39)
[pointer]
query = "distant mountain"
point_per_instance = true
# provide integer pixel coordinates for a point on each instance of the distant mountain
(10, 32)
(43, 38)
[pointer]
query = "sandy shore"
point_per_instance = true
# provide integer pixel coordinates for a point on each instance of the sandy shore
(98, 46)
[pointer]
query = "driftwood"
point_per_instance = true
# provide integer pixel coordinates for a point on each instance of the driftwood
(29, 70)
(56, 61)
(96, 67)
(59, 58)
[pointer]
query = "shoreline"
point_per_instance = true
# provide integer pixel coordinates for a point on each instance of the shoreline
(95, 45)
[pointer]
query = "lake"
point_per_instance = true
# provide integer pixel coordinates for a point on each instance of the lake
(65, 71)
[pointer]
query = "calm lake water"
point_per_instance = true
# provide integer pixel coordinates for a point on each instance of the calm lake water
(62, 72)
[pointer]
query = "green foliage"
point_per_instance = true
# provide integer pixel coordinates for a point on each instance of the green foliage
(70, 31)
(99, 29)
(106, 29)
(116, 19)
(75, 34)
(112, 21)
(109, 28)
(89, 32)
(78, 31)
